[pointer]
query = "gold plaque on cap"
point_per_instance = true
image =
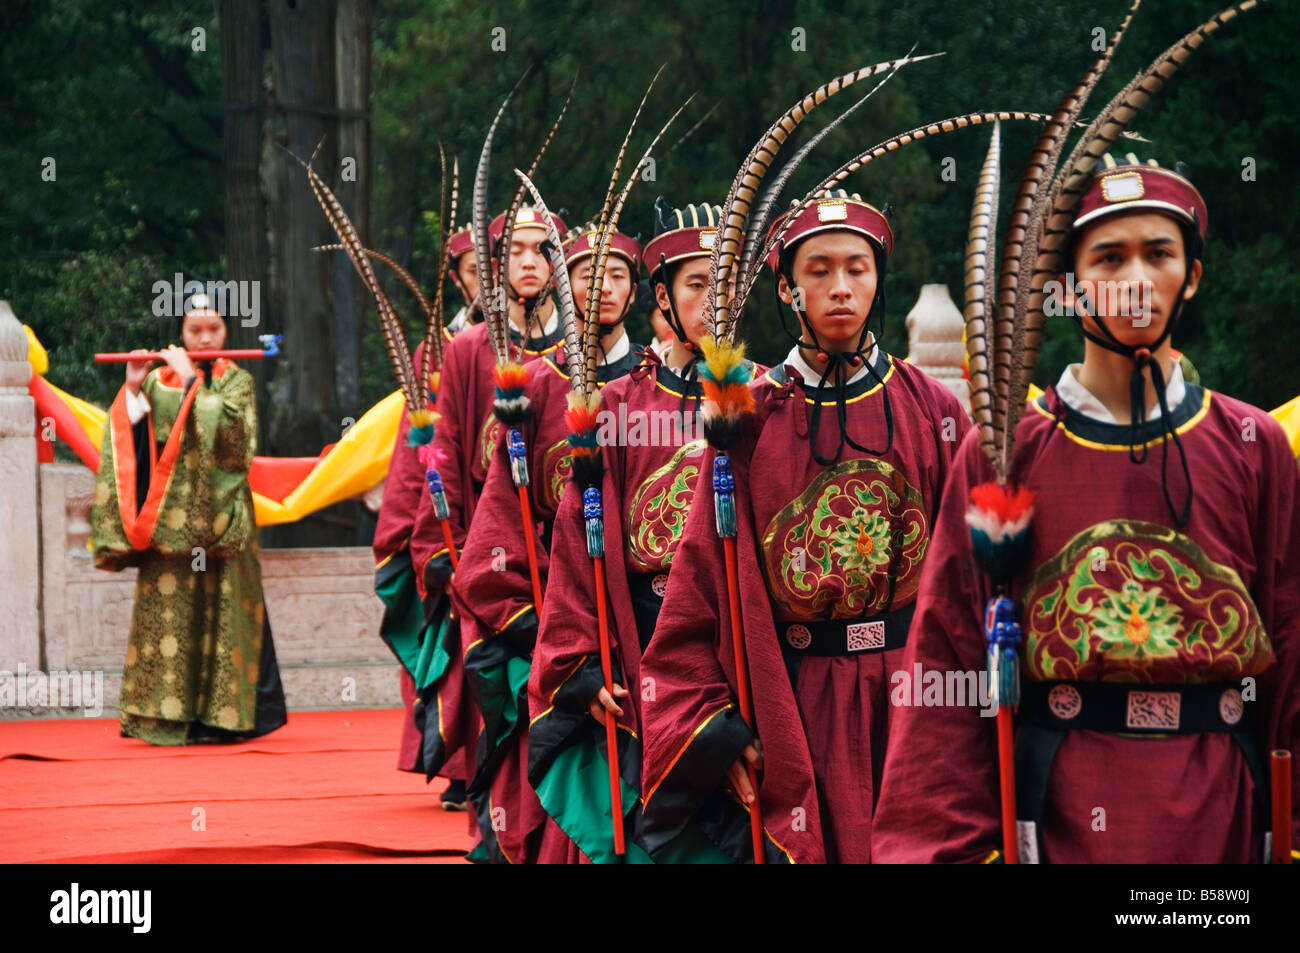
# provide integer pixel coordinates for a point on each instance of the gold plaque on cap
(525, 215)
(591, 240)
(708, 237)
(1124, 187)
(834, 210)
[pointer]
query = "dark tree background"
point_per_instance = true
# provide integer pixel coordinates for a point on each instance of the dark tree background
(166, 164)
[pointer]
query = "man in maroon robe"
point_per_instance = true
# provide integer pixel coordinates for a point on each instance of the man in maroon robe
(463, 437)
(406, 609)
(1160, 599)
(651, 443)
(834, 519)
(493, 588)
(394, 578)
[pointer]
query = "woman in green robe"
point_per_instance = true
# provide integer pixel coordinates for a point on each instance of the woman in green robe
(172, 498)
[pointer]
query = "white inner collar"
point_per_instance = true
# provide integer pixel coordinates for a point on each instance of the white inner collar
(1080, 399)
(619, 349)
(811, 375)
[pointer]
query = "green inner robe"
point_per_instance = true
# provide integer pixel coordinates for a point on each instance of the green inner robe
(196, 632)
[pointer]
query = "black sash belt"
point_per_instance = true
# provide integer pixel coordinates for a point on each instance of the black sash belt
(1049, 709)
(647, 589)
(1135, 708)
(840, 637)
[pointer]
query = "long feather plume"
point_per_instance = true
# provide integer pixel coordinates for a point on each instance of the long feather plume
(1020, 245)
(390, 326)
(507, 236)
(563, 289)
(979, 284)
(495, 315)
(749, 179)
(591, 312)
(862, 159)
(597, 282)
(691, 131)
(433, 325)
(404, 276)
(751, 263)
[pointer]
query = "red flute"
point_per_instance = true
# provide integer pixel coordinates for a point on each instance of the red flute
(115, 358)
(270, 348)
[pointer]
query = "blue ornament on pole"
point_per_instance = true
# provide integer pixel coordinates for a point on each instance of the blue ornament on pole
(439, 495)
(518, 451)
(1002, 633)
(724, 496)
(593, 515)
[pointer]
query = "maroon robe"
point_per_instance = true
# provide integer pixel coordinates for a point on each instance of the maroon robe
(463, 437)
(1114, 592)
(651, 447)
(493, 597)
(815, 544)
(403, 487)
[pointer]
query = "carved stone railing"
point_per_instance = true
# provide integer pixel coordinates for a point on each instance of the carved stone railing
(321, 602)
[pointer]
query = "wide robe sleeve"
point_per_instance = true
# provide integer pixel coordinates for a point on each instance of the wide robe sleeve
(198, 500)
(1277, 596)
(568, 762)
(939, 798)
(693, 730)
(492, 593)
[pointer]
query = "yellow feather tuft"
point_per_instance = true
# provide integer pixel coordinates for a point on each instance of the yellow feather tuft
(722, 357)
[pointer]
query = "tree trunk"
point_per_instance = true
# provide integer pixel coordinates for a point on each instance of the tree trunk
(243, 63)
(352, 76)
(304, 413)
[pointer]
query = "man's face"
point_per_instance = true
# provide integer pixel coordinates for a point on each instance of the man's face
(836, 274)
(1131, 266)
(203, 331)
(465, 277)
(691, 295)
(614, 290)
(530, 269)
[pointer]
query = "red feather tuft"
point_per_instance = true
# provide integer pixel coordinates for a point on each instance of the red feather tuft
(510, 376)
(580, 419)
(1006, 502)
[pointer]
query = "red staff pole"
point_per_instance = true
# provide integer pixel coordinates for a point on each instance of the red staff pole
(530, 547)
(742, 687)
(724, 505)
(451, 544)
(611, 727)
(1280, 768)
(1007, 779)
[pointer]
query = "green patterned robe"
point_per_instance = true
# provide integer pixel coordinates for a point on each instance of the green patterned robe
(196, 649)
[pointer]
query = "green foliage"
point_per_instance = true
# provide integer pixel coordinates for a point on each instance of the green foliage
(132, 115)
(129, 112)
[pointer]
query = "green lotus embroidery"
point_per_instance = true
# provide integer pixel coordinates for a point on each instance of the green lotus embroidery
(862, 542)
(1137, 623)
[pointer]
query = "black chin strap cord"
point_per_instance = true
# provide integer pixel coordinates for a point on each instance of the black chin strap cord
(840, 365)
(1143, 358)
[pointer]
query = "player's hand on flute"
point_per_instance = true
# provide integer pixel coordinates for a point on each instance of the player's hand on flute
(738, 773)
(179, 361)
(604, 702)
(137, 371)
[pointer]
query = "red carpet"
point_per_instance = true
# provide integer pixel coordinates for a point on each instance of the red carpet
(322, 789)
